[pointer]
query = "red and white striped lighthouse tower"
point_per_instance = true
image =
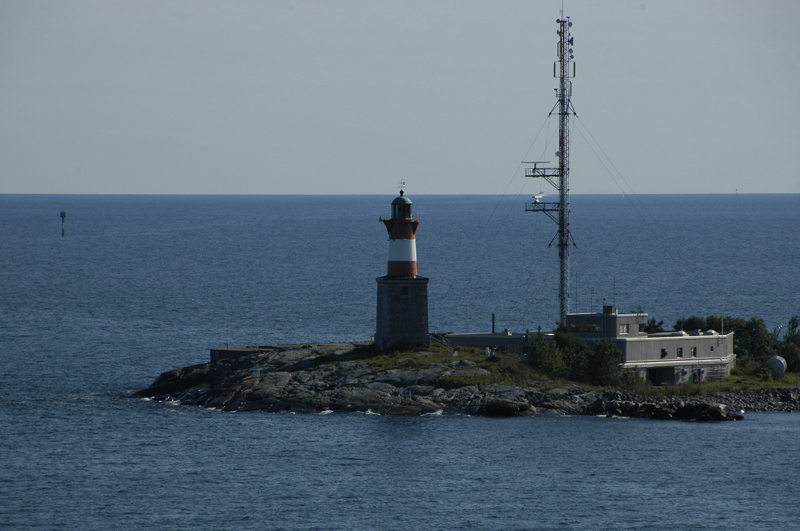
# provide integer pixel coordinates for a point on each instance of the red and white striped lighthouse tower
(402, 229)
(402, 318)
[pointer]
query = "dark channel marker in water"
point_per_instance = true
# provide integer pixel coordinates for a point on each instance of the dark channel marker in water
(90, 319)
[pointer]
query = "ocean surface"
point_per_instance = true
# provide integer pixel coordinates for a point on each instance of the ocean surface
(144, 284)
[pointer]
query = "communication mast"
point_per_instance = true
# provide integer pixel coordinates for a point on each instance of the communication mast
(559, 177)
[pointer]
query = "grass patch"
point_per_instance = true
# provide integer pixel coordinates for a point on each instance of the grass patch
(360, 352)
(503, 367)
(731, 383)
(422, 357)
(506, 368)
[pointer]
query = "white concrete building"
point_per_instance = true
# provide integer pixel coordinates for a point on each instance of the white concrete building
(662, 358)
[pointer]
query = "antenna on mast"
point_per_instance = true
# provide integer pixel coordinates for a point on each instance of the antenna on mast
(559, 177)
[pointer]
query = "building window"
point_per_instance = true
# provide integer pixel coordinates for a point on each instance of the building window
(680, 352)
(663, 353)
(694, 352)
(624, 328)
(712, 348)
(641, 328)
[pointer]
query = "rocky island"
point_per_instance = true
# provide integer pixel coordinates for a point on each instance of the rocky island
(356, 377)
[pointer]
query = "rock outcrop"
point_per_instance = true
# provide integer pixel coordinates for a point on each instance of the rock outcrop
(340, 377)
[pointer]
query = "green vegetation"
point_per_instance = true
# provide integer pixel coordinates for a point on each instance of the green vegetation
(566, 356)
(631, 381)
(362, 351)
(503, 367)
(753, 344)
(419, 358)
(562, 357)
(789, 346)
(731, 383)
(653, 327)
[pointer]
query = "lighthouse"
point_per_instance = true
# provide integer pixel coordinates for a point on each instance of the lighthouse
(402, 318)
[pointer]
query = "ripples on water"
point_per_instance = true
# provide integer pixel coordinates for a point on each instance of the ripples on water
(145, 284)
(138, 465)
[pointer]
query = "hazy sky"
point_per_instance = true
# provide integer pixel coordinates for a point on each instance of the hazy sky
(297, 97)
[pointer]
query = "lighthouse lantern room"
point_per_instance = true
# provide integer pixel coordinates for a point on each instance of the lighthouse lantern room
(402, 228)
(402, 318)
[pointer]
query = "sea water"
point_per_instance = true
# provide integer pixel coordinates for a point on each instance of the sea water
(143, 284)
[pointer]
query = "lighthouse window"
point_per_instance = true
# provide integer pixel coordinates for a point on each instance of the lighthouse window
(402, 211)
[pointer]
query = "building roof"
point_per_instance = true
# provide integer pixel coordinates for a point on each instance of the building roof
(401, 200)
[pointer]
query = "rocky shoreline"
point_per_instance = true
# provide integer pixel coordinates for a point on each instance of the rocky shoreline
(339, 377)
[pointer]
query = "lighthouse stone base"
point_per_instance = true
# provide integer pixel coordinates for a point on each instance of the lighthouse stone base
(402, 319)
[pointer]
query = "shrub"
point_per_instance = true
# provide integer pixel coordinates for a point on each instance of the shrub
(575, 354)
(605, 363)
(750, 338)
(543, 355)
(791, 353)
(690, 323)
(653, 327)
(566, 356)
(789, 348)
(630, 379)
